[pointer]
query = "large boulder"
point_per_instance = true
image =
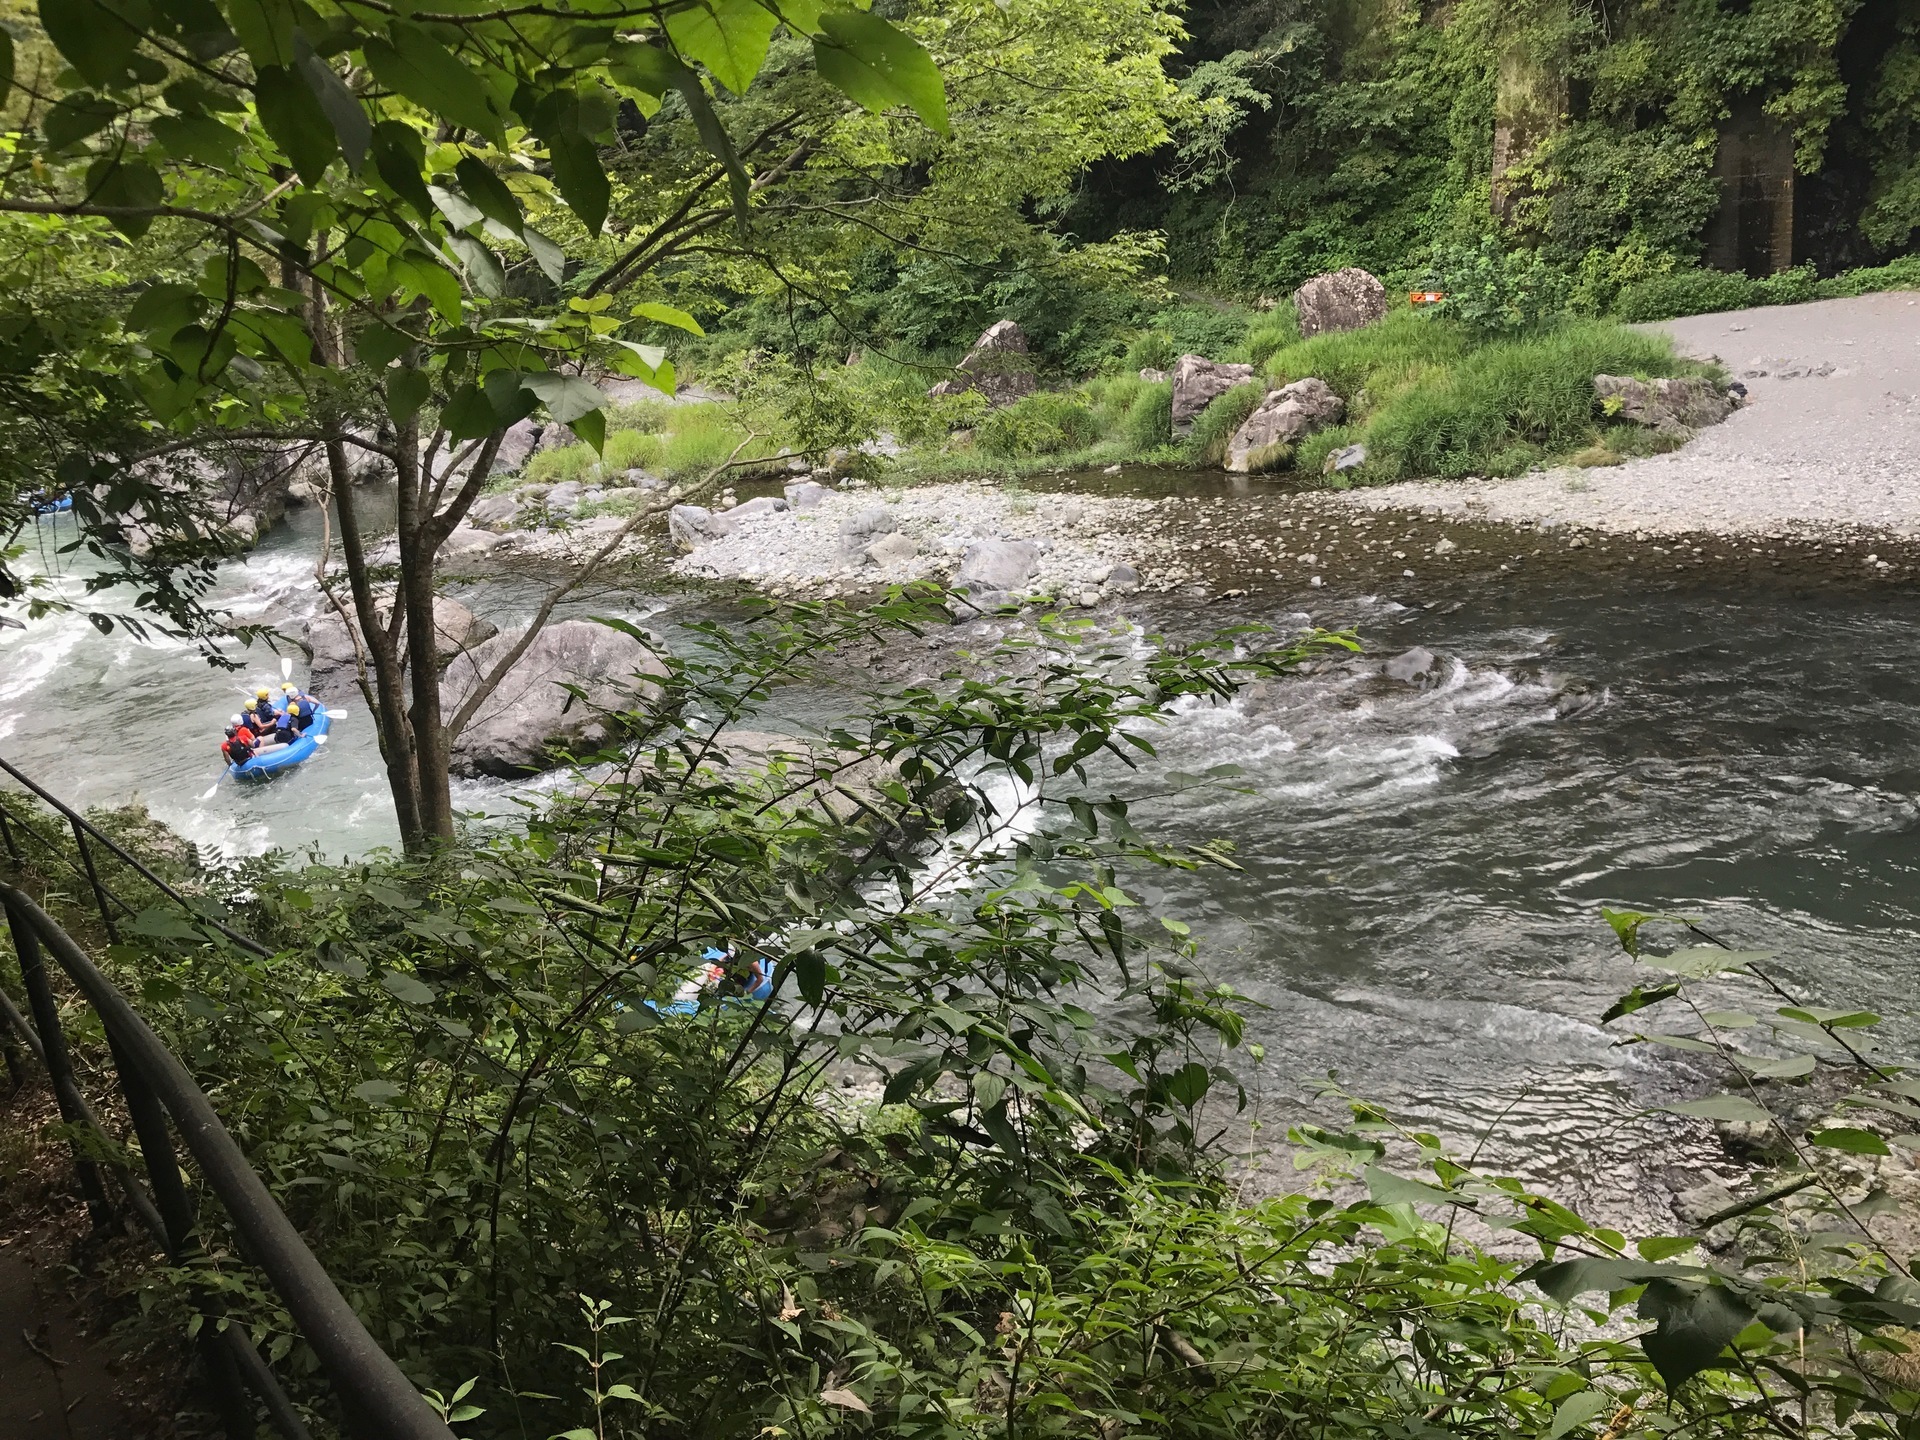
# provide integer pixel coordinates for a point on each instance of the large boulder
(996, 567)
(805, 494)
(1198, 382)
(692, 526)
(329, 641)
(1347, 299)
(1689, 402)
(997, 366)
(861, 530)
(1286, 417)
(494, 512)
(515, 447)
(533, 710)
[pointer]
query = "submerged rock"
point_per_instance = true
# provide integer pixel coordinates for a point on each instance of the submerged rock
(1348, 299)
(1411, 666)
(1198, 382)
(1284, 418)
(532, 711)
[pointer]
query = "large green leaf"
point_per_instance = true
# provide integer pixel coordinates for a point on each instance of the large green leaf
(469, 415)
(197, 137)
(878, 66)
(265, 30)
(562, 123)
(729, 37)
(72, 118)
(399, 157)
(342, 108)
(488, 192)
(1695, 1323)
(98, 42)
(1848, 1138)
(427, 73)
(407, 391)
(1722, 1107)
(131, 184)
(567, 397)
(293, 116)
(667, 315)
(1386, 1188)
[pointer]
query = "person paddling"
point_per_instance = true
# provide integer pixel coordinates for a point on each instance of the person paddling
(239, 745)
(287, 726)
(262, 718)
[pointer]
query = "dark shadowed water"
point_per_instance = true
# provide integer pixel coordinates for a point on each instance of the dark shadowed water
(1424, 864)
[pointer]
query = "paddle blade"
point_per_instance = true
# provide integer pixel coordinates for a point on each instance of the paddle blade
(286, 667)
(207, 794)
(319, 739)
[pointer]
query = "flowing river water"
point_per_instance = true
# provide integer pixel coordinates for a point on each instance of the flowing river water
(1424, 864)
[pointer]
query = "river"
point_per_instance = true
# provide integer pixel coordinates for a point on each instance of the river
(1424, 865)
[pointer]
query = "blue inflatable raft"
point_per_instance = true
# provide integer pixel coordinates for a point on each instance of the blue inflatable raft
(41, 504)
(271, 762)
(708, 993)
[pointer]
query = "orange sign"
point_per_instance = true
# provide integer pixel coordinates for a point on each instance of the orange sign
(1425, 297)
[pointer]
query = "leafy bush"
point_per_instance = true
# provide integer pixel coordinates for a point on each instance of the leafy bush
(1213, 427)
(1045, 423)
(1151, 350)
(1706, 292)
(1495, 291)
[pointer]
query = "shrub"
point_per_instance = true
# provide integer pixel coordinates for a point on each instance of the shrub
(1205, 330)
(1213, 428)
(1686, 292)
(1495, 291)
(1313, 451)
(1149, 420)
(1901, 274)
(1152, 350)
(1047, 423)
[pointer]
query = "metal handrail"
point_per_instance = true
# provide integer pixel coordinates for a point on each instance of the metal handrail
(83, 827)
(380, 1401)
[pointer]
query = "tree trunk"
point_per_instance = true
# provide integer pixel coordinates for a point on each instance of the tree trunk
(390, 716)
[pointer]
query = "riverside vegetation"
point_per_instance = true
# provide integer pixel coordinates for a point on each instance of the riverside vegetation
(968, 1174)
(581, 1215)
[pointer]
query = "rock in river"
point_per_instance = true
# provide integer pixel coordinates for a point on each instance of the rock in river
(1284, 418)
(996, 566)
(330, 643)
(532, 710)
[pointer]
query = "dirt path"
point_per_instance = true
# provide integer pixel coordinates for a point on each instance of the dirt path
(1830, 440)
(54, 1380)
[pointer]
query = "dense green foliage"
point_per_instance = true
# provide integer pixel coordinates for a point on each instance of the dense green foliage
(579, 1211)
(1363, 133)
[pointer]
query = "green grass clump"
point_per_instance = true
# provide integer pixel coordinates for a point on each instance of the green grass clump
(559, 465)
(1213, 428)
(1378, 361)
(1505, 406)
(1271, 333)
(1148, 424)
(632, 450)
(1047, 423)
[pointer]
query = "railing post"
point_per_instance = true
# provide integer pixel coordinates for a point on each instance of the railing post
(10, 1047)
(53, 1041)
(177, 1215)
(6, 834)
(93, 878)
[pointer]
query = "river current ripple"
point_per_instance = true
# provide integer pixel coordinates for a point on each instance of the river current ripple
(1424, 864)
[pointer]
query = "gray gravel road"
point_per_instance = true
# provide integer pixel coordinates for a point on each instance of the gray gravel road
(1829, 441)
